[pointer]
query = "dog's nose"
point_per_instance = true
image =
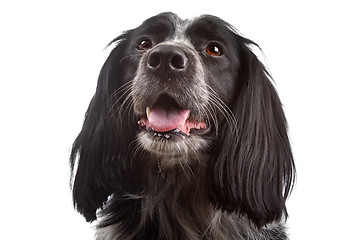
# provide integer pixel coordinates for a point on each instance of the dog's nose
(167, 60)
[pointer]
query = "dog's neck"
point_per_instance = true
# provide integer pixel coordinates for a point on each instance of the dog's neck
(175, 203)
(179, 200)
(178, 192)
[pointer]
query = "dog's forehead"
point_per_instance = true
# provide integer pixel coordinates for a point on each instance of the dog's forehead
(176, 28)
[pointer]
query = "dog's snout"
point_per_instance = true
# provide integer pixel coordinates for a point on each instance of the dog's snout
(167, 60)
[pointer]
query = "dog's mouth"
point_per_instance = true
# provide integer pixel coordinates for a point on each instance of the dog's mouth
(166, 119)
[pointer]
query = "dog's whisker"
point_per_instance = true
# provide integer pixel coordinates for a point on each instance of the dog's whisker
(126, 90)
(129, 56)
(123, 90)
(125, 107)
(138, 150)
(120, 89)
(211, 115)
(225, 111)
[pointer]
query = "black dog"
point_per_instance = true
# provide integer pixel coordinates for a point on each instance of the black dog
(185, 138)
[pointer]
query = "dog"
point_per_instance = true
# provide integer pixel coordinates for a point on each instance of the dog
(185, 138)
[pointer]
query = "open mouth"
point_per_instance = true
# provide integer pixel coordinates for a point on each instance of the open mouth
(165, 118)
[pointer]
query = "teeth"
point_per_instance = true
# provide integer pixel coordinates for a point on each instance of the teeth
(162, 135)
(158, 135)
(148, 110)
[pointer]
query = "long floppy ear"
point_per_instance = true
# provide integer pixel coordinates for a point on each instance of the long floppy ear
(101, 148)
(252, 168)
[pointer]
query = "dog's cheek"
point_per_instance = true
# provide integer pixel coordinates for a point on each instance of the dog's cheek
(221, 75)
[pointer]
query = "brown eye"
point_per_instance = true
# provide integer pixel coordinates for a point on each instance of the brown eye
(145, 45)
(213, 49)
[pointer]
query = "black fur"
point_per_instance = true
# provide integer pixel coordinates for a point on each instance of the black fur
(233, 186)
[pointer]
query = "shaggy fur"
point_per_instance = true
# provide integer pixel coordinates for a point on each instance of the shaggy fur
(223, 173)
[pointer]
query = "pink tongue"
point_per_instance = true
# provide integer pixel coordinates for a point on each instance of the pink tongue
(165, 119)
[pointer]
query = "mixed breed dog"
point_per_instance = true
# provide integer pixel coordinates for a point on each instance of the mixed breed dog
(185, 138)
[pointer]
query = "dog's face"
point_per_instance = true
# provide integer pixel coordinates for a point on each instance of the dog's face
(178, 90)
(186, 77)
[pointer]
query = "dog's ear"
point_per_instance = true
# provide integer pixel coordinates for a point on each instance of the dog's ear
(100, 150)
(252, 168)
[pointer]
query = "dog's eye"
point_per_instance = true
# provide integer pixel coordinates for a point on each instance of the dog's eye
(213, 49)
(145, 45)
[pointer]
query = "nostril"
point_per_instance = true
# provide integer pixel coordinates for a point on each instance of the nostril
(166, 60)
(178, 62)
(154, 60)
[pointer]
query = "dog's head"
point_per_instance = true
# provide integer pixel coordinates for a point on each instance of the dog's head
(172, 90)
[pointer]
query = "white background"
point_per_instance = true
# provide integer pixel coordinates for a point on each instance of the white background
(50, 56)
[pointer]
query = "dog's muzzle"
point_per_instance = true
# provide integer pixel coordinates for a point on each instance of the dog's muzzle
(166, 70)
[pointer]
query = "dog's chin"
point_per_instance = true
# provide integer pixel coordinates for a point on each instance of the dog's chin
(173, 147)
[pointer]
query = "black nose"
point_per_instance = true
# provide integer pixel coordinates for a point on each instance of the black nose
(167, 61)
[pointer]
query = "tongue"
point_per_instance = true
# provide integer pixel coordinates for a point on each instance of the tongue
(163, 119)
